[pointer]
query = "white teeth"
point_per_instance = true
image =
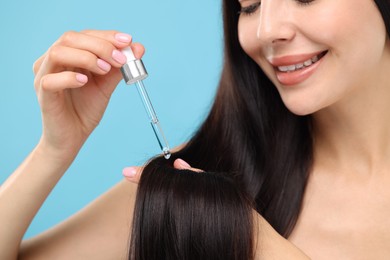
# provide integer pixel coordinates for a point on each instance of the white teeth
(283, 68)
(308, 63)
(291, 67)
(299, 66)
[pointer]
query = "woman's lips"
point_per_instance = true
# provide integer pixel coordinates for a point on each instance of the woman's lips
(292, 70)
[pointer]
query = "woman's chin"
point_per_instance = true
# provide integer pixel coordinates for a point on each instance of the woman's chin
(301, 108)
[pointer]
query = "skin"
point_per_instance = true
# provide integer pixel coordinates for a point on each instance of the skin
(74, 81)
(347, 201)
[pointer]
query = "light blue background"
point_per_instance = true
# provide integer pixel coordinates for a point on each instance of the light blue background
(184, 56)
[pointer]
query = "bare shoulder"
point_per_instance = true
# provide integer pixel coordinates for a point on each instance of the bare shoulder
(99, 231)
(270, 245)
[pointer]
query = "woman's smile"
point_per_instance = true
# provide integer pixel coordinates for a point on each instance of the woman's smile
(314, 61)
(294, 69)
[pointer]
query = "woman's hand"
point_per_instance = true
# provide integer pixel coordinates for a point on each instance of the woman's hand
(133, 173)
(74, 81)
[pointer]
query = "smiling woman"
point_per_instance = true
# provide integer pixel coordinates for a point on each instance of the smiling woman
(285, 160)
(299, 126)
(301, 58)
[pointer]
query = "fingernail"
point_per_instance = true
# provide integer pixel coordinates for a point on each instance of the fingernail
(119, 57)
(123, 37)
(103, 65)
(81, 78)
(184, 164)
(129, 172)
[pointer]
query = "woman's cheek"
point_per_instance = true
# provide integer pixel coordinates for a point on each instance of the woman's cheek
(248, 39)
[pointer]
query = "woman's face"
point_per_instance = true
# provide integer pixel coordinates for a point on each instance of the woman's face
(316, 52)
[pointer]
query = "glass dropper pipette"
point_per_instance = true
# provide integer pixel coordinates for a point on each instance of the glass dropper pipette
(134, 72)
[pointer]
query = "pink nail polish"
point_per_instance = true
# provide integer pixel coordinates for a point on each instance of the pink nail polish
(129, 172)
(123, 37)
(103, 65)
(119, 57)
(81, 78)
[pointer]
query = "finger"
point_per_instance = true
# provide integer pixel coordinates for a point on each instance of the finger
(109, 83)
(118, 39)
(138, 50)
(132, 174)
(62, 80)
(37, 64)
(60, 57)
(183, 165)
(100, 47)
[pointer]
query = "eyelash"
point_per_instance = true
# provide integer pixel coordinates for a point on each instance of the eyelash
(248, 10)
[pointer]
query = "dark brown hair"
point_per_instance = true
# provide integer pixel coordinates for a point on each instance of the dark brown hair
(250, 137)
(181, 214)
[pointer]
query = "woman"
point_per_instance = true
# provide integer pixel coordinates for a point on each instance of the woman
(317, 173)
(311, 175)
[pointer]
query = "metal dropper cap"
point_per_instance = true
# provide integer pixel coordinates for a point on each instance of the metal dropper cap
(134, 70)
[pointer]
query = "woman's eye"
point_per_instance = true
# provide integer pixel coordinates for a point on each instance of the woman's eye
(304, 2)
(250, 9)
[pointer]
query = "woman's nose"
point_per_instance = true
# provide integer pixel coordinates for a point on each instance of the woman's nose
(275, 22)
